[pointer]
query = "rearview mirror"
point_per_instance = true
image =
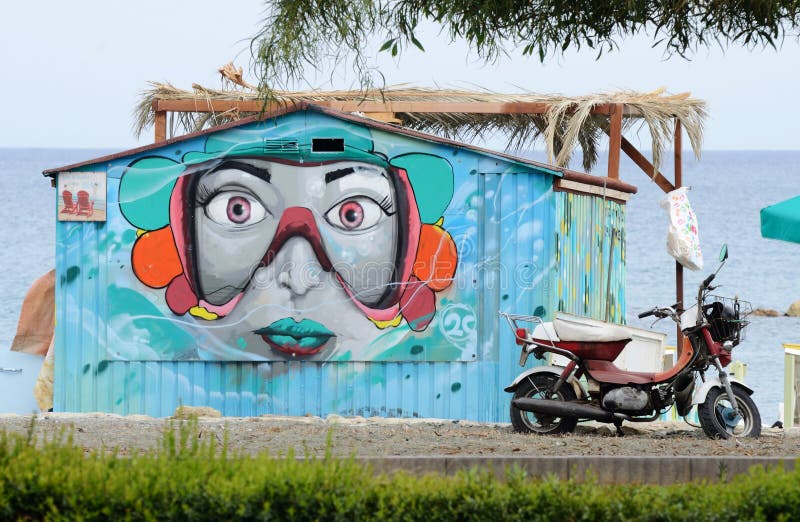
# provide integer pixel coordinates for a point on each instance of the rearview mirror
(723, 253)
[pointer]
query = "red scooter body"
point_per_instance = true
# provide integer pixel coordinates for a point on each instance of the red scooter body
(605, 351)
(598, 357)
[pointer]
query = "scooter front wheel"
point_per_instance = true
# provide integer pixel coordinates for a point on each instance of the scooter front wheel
(539, 386)
(719, 419)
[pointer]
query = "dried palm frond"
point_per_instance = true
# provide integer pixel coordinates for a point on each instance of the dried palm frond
(568, 123)
(234, 76)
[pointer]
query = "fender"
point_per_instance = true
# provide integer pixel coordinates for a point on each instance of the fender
(555, 370)
(701, 392)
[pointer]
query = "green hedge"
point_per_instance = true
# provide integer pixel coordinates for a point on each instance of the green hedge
(186, 480)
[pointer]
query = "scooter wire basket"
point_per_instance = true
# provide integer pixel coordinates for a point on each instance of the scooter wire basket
(727, 318)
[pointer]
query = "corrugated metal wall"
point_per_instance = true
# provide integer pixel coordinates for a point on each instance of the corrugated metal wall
(590, 255)
(81, 271)
(517, 252)
(513, 262)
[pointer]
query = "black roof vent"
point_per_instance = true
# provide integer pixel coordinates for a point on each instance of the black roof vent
(327, 145)
(281, 146)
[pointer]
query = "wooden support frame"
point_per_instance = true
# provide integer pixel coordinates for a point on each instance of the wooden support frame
(677, 142)
(614, 141)
(637, 157)
(615, 111)
(161, 107)
(160, 126)
(367, 106)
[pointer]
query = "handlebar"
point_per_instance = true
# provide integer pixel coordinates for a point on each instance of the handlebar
(673, 311)
(676, 310)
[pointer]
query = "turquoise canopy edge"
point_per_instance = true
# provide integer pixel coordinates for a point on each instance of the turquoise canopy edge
(782, 220)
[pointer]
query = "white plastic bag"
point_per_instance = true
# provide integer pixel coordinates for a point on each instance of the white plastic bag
(683, 239)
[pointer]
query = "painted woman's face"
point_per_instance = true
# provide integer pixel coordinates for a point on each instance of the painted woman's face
(298, 247)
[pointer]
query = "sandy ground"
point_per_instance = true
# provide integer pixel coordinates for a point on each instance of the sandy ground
(386, 437)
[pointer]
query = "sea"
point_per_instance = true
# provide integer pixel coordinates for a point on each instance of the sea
(728, 189)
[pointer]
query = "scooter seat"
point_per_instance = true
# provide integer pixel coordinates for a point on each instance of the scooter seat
(568, 330)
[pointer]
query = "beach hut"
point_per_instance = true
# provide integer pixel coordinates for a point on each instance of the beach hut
(311, 261)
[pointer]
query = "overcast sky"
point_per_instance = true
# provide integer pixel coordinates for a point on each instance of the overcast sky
(73, 71)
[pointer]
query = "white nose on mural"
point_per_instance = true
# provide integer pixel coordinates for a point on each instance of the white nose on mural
(298, 267)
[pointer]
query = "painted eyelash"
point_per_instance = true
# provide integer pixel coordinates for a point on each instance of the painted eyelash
(387, 205)
(203, 194)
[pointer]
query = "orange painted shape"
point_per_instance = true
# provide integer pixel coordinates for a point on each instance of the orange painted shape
(155, 258)
(436, 258)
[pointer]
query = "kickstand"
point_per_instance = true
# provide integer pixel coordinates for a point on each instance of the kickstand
(618, 425)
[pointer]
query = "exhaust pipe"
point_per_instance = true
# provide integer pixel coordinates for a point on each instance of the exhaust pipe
(567, 409)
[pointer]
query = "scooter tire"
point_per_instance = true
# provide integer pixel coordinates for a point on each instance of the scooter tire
(535, 387)
(712, 411)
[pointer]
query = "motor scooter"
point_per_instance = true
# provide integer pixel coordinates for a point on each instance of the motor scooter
(551, 399)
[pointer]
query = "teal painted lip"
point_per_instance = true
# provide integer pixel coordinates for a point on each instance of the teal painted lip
(286, 335)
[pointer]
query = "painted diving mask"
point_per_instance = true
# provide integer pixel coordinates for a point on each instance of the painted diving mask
(231, 216)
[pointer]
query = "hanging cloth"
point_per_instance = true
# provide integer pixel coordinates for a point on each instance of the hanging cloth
(683, 238)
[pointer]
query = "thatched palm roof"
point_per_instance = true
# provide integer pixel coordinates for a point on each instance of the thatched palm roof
(567, 122)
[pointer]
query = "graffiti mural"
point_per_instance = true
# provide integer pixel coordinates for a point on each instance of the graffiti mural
(343, 266)
(272, 248)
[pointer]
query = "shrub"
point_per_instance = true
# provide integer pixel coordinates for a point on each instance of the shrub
(188, 480)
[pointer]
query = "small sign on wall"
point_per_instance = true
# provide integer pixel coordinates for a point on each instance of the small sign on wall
(82, 196)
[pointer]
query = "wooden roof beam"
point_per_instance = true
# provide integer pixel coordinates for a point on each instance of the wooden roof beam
(638, 158)
(470, 107)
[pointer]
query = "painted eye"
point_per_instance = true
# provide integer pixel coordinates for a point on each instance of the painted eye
(351, 214)
(235, 208)
(359, 213)
(238, 210)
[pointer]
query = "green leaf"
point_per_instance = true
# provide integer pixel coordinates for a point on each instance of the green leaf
(386, 44)
(296, 33)
(417, 43)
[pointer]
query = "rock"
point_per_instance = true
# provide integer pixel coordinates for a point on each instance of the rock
(794, 310)
(766, 312)
(194, 412)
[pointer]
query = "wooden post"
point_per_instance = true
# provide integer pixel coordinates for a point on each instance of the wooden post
(678, 266)
(160, 126)
(614, 141)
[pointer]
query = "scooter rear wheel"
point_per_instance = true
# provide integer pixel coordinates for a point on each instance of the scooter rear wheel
(538, 386)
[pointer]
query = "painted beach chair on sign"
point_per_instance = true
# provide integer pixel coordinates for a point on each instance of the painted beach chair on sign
(69, 204)
(85, 206)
